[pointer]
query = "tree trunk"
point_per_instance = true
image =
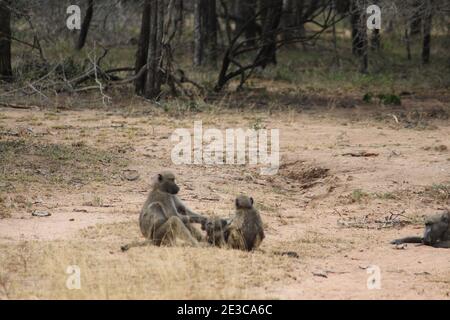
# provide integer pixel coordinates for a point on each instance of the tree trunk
(245, 13)
(198, 32)
(357, 33)
(154, 75)
(205, 32)
(210, 31)
(271, 11)
(179, 18)
(5, 43)
(375, 40)
(289, 19)
(427, 24)
(408, 44)
(142, 52)
(85, 25)
(416, 19)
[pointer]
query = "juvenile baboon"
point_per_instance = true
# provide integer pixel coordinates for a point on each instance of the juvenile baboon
(215, 231)
(245, 231)
(164, 218)
(436, 234)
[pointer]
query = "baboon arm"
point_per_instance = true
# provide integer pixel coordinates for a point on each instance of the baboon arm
(184, 210)
(408, 240)
(171, 210)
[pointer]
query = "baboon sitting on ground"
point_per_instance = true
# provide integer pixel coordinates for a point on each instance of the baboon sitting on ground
(215, 231)
(244, 231)
(436, 234)
(164, 218)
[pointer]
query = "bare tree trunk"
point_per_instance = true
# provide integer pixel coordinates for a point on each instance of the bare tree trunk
(288, 20)
(427, 24)
(5, 42)
(211, 31)
(375, 40)
(357, 33)
(154, 58)
(142, 52)
(337, 60)
(85, 25)
(205, 32)
(198, 32)
(179, 18)
(271, 10)
(408, 44)
(416, 19)
(245, 13)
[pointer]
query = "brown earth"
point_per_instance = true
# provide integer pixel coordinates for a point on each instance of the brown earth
(335, 209)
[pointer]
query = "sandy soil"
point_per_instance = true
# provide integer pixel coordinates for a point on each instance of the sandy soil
(338, 212)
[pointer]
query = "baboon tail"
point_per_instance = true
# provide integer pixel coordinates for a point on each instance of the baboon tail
(407, 240)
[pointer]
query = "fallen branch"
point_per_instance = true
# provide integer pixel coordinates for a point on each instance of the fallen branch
(17, 106)
(361, 154)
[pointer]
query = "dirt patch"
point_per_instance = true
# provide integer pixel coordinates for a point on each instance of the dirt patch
(303, 173)
(25, 161)
(336, 214)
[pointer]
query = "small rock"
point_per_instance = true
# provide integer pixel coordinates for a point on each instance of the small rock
(320, 274)
(441, 148)
(41, 214)
(291, 254)
(130, 175)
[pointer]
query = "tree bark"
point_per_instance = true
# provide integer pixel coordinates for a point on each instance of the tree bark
(245, 13)
(142, 52)
(211, 32)
(154, 75)
(205, 32)
(289, 19)
(357, 33)
(363, 36)
(198, 32)
(271, 11)
(416, 19)
(427, 24)
(5, 42)
(375, 40)
(85, 26)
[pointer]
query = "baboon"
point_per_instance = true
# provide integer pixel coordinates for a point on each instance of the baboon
(215, 231)
(164, 218)
(245, 231)
(436, 234)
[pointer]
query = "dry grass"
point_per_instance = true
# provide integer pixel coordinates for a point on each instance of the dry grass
(151, 273)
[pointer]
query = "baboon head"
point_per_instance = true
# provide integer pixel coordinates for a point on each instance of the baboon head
(436, 228)
(165, 182)
(244, 202)
(214, 224)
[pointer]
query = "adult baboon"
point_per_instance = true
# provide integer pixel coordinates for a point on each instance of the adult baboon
(436, 234)
(164, 218)
(245, 232)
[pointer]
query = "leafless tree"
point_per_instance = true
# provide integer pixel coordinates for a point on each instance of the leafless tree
(5, 41)
(205, 32)
(85, 25)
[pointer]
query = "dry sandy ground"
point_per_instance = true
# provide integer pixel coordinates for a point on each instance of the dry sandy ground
(336, 211)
